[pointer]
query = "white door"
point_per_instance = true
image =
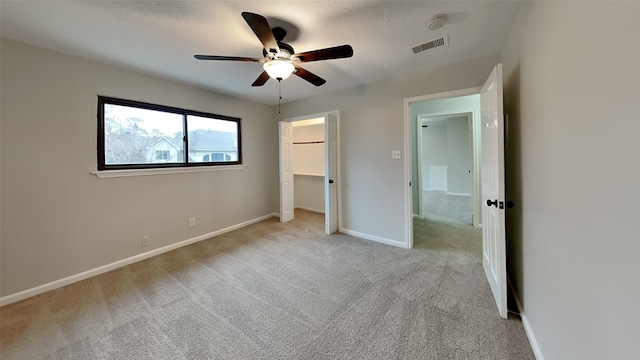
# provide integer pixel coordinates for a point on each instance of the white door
(331, 173)
(286, 171)
(494, 258)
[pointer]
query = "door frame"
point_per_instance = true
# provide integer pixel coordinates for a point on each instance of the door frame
(473, 115)
(338, 180)
(408, 142)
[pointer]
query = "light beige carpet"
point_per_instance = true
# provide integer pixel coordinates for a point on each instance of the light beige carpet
(278, 291)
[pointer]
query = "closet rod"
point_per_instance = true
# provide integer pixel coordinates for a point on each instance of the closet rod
(308, 142)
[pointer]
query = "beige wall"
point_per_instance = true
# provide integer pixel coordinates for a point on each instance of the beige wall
(309, 192)
(573, 169)
(59, 220)
(371, 126)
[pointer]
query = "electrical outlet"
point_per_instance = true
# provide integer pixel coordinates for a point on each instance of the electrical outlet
(395, 154)
(145, 241)
(192, 222)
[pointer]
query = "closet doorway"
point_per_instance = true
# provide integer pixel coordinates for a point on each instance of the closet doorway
(309, 177)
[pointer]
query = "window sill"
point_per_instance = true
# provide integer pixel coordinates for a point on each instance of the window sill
(165, 171)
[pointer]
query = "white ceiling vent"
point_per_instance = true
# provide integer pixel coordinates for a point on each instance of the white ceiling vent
(439, 42)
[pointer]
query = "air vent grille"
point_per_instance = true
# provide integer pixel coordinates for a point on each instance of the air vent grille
(442, 41)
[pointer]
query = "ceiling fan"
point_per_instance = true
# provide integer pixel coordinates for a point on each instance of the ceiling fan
(280, 60)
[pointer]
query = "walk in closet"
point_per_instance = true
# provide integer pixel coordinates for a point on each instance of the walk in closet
(308, 157)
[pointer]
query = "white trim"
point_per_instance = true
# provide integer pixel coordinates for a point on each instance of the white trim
(445, 95)
(418, 146)
(537, 352)
(315, 121)
(338, 165)
(378, 239)
(5, 300)
(465, 112)
(458, 194)
(407, 150)
(311, 116)
(163, 171)
(448, 193)
(315, 118)
(310, 209)
(408, 178)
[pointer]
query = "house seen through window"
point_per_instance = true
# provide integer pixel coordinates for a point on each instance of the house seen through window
(135, 135)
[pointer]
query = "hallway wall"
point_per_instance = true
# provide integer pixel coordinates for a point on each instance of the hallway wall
(573, 169)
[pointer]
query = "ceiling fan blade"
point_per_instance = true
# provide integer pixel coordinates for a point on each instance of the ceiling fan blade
(231, 58)
(310, 77)
(261, 28)
(337, 52)
(261, 80)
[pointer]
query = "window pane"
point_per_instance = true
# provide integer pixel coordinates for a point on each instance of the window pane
(210, 139)
(141, 136)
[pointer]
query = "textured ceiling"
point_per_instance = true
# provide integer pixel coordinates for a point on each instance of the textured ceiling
(161, 37)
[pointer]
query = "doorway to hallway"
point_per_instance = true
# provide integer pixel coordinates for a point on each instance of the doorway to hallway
(445, 148)
(445, 166)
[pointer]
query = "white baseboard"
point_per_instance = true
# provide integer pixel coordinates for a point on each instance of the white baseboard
(458, 194)
(375, 238)
(537, 352)
(321, 211)
(5, 300)
(448, 193)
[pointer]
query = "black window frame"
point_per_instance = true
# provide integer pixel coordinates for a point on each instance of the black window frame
(102, 166)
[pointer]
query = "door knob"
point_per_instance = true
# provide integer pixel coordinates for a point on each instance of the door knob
(330, 181)
(510, 204)
(494, 202)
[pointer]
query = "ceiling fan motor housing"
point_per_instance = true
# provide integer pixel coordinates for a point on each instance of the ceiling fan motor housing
(286, 51)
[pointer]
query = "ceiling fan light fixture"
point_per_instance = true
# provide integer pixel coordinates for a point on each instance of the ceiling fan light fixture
(279, 69)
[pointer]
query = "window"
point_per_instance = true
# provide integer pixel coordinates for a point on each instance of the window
(216, 157)
(162, 155)
(137, 135)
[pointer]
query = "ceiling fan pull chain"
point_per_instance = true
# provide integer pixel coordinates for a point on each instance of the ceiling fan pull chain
(279, 94)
